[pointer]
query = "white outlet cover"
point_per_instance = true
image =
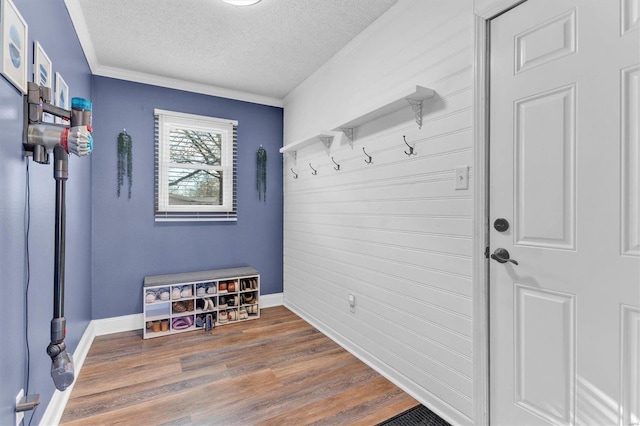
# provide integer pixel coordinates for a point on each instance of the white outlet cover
(462, 177)
(352, 300)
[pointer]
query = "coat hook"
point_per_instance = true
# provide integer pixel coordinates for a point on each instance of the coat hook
(365, 153)
(315, 172)
(338, 165)
(295, 175)
(410, 147)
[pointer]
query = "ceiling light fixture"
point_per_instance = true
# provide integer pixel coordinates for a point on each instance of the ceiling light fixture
(241, 2)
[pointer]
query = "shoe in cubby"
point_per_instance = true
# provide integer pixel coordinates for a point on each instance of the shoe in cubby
(186, 291)
(151, 296)
(232, 314)
(182, 323)
(182, 306)
(200, 320)
(243, 314)
(201, 290)
(163, 294)
(175, 292)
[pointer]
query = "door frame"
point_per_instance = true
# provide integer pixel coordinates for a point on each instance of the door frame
(481, 332)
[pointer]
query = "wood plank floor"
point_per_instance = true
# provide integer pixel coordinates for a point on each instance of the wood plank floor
(277, 370)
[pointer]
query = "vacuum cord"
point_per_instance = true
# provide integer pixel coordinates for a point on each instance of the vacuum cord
(27, 229)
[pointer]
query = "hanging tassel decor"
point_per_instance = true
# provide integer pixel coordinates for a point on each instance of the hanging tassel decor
(125, 161)
(261, 174)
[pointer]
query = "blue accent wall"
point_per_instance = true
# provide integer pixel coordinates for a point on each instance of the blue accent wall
(49, 23)
(128, 245)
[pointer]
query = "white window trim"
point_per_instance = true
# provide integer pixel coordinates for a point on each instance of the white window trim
(164, 211)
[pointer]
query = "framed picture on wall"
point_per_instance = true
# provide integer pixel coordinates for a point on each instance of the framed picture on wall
(42, 67)
(42, 73)
(13, 45)
(61, 97)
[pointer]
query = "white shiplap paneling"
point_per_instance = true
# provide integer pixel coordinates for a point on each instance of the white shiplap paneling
(394, 233)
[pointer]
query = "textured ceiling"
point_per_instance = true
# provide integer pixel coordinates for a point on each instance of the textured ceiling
(262, 51)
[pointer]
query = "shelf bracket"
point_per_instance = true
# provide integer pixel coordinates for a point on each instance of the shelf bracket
(293, 155)
(416, 106)
(327, 141)
(348, 132)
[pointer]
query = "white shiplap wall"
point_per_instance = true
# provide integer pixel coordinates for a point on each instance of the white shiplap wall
(393, 233)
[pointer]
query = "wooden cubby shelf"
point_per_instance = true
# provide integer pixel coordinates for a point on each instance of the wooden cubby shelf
(177, 303)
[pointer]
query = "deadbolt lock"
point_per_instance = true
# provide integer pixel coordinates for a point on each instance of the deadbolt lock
(501, 225)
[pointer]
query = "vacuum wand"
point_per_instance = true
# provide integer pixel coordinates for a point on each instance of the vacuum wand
(62, 364)
(39, 139)
(60, 174)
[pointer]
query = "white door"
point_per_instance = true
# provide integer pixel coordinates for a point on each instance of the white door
(564, 164)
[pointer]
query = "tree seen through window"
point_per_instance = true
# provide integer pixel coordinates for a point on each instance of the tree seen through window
(190, 180)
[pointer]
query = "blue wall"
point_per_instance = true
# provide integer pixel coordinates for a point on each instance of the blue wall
(49, 23)
(128, 244)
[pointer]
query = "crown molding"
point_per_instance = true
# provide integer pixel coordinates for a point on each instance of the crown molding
(187, 86)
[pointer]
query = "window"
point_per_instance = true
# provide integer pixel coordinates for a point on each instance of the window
(195, 167)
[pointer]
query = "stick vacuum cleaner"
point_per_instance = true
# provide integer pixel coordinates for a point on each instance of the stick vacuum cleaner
(40, 139)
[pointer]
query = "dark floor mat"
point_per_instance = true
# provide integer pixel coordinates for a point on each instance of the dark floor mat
(419, 415)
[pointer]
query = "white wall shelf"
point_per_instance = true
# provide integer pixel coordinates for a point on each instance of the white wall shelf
(412, 97)
(325, 137)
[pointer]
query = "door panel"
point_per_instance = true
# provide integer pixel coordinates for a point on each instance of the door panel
(545, 352)
(546, 42)
(564, 171)
(630, 94)
(545, 177)
(630, 347)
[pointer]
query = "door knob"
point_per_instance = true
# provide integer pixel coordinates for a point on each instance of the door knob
(501, 225)
(502, 256)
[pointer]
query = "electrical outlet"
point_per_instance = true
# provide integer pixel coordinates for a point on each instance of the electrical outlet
(352, 303)
(462, 177)
(19, 416)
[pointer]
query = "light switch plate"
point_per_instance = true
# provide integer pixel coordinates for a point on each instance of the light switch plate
(462, 177)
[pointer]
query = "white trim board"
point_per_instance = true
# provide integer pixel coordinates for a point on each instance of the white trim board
(480, 232)
(132, 322)
(102, 327)
(481, 208)
(59, 400)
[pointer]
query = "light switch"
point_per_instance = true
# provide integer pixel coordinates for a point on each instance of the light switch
(462, 177)
(352, 300)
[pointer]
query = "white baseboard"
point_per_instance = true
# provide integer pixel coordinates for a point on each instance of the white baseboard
(136, 321)
(271, 300)
(118, 324)
(58, 402)
(422, 395)
(104, 326)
